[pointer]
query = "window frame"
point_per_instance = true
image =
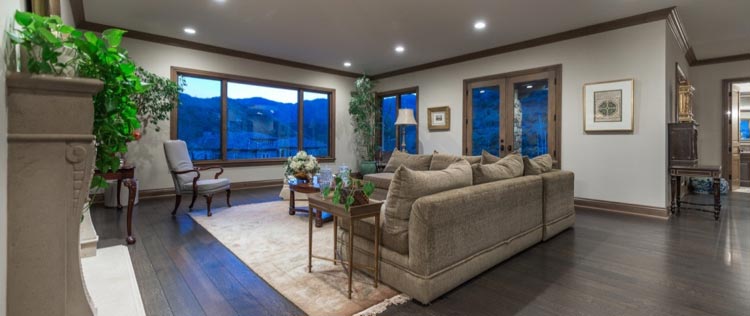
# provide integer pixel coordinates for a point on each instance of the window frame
(397, 93)
(225, 78)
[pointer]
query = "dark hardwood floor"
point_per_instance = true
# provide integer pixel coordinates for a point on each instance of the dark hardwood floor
(610, 264)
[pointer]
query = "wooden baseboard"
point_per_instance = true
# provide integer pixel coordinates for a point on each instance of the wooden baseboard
(660, 212)
(155, 193)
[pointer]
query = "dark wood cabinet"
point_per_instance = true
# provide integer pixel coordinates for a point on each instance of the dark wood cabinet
(683, 143)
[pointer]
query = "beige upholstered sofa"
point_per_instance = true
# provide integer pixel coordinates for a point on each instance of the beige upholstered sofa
(440, 230)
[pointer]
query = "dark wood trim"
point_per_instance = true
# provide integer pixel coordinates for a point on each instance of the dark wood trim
(79, 17)
(719, 60)
(599, 205)
(225, 79)
(156, 193)
(562, 36)
(397, 93)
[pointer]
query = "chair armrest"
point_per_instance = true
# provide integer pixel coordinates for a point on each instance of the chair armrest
(195, 180)
(216, 176)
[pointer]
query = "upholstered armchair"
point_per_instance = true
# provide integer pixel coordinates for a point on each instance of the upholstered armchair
(187, 178)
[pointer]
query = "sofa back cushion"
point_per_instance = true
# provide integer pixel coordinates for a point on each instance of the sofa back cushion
(409, 185)
(473, 159)
(413, 162)
(442, 161)
(508, 167)
(488, 158)
(537, 165)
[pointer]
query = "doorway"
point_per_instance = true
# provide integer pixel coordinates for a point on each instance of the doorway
(736, 124)
(518, 111)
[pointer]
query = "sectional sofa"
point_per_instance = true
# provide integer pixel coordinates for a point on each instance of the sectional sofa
(447, 219)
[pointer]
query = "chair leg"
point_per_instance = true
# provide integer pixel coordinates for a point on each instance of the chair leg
(176, 204)
(208, 203)
(193, 202)
(229, 192)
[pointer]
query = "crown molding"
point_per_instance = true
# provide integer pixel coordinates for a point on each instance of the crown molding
(721, 60)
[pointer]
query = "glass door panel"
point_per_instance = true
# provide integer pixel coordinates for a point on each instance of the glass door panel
(530, 117)
(485, 116)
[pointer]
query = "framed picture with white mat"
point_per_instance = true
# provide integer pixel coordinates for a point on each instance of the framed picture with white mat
(608, 106)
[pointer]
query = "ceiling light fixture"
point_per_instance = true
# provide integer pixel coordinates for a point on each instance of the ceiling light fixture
(480, 25)
(399, 49)
(189, 30)
(529, 87)
(347, 64)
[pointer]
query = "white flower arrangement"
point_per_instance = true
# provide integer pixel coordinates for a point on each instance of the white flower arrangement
(301, 164)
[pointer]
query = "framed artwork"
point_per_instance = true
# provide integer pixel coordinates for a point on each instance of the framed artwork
(608, 106)
(439, 118)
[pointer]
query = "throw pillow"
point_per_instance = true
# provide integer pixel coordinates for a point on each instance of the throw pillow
(537, 165)
(488, 158)
(442, 161)
(473, 159)
(414, 162)
(508, 167)
(409, 185)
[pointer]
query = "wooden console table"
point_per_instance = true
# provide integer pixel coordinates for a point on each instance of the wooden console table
(679, 171)
(355, 213)
(126, 174)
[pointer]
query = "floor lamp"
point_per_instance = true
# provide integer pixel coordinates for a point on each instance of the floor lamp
(405, 118)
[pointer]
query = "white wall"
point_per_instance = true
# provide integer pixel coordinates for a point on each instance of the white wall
(148, 154)
(707, 106)
(7, 9)
(627, 168)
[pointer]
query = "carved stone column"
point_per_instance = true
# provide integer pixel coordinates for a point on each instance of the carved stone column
(50, 164)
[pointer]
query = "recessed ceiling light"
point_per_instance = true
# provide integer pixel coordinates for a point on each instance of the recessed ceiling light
(347, 64)
(220, 1)
(399, 49)
(529, 87)
(480, 25)
(189, 30)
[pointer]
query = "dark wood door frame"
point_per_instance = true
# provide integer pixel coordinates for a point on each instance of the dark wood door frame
(557, 141)
(726, 136)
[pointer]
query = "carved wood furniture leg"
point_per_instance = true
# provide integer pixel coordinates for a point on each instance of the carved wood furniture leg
(208, 204)
(178, 199)
(119, 187)
(318, 217)
(672, 200)
(132, 187)
(229, 193)
(679, 194)
(291, 202)
(717, 198)
(335, 236)
(377, 249)
(309, 240)
(192, 202)
(351, 254)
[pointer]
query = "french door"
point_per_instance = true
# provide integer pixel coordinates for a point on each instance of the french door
(513, 112)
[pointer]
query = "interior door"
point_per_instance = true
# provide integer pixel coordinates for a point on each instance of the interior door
(484, 118)
(735, 131)
(531, 114)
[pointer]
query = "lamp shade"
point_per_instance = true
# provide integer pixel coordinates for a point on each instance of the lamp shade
(406, 117)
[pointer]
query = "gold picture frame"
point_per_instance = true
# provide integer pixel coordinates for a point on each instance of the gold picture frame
(439, 118)
(614, 111)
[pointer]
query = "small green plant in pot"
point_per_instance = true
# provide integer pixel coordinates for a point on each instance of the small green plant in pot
(364, 109)
(356, 192)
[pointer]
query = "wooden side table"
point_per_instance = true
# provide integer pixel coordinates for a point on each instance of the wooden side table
(126, 174)
(355, 213)
(679, 171)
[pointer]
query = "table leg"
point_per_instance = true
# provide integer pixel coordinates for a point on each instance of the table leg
(717, 198)
(678, 193)
(291, 202)
(310, 240)
(335, 236)
(673, 200)
(132, 187)
(318, 217)
(351, 254)
(119, 186)
(377, 249)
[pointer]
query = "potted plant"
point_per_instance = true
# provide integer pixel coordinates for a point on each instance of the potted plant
(302, 166)
(156, 102)
(356, 192)
(364, 109)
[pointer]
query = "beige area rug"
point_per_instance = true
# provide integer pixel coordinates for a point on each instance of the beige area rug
(274, 245)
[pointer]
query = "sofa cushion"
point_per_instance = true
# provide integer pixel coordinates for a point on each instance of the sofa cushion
(486, 158)
(409, 185)
(473, 159)
(537, 165)
(380, 180)
(508, 167)
(442, 161)
(413, 162)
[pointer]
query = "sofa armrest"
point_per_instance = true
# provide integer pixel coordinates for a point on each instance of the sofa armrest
(450, 226)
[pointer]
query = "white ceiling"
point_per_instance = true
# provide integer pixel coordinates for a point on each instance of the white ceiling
(328, 32)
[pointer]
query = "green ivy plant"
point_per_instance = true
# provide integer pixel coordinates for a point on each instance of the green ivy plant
(342, 191)
(364, 109)
(51, 47)
(155, 104)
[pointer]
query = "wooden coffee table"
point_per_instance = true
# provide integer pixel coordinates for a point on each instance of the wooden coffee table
(355, 213)
(309, 189)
